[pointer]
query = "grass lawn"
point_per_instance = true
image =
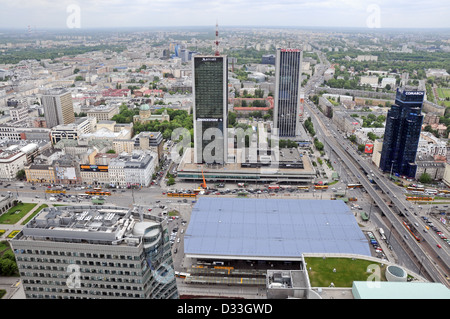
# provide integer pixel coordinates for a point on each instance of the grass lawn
(14, 214)
(173, 213)
(347, 271)
(34, 214)
(443, 93)
(3, 246)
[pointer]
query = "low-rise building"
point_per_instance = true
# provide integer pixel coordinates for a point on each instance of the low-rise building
(134, 169)
(103, 112)
(446, 177)
(362, 58)
(73, 131)
(370, 80)
(40, 173)
(345, 122)
(328, 74)
(18, 114)
(432, 165)
(152, 141)
(438, 73)
(123, 146)
(145, 115)
(388, 81)
(24, 133)
(10, 163)
(431, 118)
(94, 174)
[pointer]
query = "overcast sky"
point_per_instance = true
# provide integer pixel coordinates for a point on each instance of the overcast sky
(19, 14)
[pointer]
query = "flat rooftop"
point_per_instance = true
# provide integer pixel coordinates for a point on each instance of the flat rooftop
(399, 290)
(106, 225)
(271, 229)
(290, 166)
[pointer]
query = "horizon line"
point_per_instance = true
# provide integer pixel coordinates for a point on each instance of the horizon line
(35, 28)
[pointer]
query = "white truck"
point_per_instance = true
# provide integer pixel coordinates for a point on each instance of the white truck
(381, 231)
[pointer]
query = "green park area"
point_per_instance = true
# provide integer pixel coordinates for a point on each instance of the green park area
(16, 213)
(34, 213)
(340, 271)
(444, 93)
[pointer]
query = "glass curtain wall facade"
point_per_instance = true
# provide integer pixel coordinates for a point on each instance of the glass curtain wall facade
(402, 133)
(210, 91)
(287, 91)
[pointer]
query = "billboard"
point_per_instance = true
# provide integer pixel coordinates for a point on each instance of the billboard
(368, 149)
(94, 168)
(66, 173)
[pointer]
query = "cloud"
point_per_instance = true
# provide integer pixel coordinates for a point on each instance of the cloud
(112, 13)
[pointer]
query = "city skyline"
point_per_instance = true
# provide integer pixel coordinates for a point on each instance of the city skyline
(150, 13)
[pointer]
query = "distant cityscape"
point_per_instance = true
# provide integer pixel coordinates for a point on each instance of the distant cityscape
(224, 162)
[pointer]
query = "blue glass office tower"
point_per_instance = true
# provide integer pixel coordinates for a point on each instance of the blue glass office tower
(402, 133)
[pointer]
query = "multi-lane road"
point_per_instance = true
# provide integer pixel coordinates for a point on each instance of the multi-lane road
(426, 255)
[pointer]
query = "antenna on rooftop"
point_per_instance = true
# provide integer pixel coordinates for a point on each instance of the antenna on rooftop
(217, 53)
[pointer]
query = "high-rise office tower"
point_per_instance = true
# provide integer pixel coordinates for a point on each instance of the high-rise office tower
(287, 91)
(58, 107)
(402, 133)
(210, 91)
(81, 252)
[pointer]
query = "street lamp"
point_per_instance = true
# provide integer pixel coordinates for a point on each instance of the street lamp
(392, 165)
(390, 234)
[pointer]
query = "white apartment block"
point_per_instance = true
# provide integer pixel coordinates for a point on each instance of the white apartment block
(431, 145)
(18, 114)
(132, 170)
(362, 58)
(9, 133)
(11, 163)
(368, 79)
(73, 131)
(390, 81)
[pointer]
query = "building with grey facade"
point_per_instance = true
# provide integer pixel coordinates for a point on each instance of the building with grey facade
(58, 107)
(287, 92)
(86, 252)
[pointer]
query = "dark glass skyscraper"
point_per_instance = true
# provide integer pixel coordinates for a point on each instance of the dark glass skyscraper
(287, 91)
(402, 133)
(210, 91)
